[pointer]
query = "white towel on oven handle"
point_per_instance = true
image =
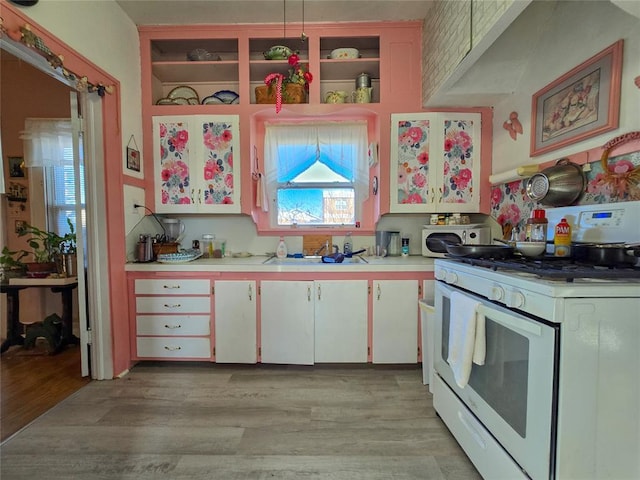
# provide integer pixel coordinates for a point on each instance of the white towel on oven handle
(467, 340)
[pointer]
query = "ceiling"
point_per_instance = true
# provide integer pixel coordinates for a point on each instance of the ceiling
(185, 12)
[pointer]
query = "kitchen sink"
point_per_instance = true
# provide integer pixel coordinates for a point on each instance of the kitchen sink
(311, 260)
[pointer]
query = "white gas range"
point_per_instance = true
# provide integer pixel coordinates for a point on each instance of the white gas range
(558, 392)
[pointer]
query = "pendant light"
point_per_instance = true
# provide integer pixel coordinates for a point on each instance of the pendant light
(284, 19)
(303, 36)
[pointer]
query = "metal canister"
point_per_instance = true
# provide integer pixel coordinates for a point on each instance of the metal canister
(363, 81)
(144, 249)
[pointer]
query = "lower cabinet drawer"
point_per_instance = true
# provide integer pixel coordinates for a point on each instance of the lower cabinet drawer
(173, 304)
(169, 286)
(173, 347)
(172, 325)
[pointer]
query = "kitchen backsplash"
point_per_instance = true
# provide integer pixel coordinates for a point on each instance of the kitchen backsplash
(511, 205)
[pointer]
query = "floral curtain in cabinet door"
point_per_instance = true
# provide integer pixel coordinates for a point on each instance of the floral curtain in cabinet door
(457, 162)
(413, 161)
(218, 163)
(174, 163)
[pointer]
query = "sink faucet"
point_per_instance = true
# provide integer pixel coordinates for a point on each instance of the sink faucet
(336, 249)
(323, 248)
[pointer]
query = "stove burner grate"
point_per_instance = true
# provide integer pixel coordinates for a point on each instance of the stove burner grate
(554, 268)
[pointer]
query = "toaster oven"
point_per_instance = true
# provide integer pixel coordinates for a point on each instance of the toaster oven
(432, 236)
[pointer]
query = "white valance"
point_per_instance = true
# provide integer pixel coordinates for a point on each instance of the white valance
(47, 142)
(343, 147)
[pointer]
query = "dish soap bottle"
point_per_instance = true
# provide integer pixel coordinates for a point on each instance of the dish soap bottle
(281, 251)
(562, 239)
(347, 248)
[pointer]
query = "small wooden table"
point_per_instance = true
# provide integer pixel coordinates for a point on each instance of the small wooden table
(64, 286)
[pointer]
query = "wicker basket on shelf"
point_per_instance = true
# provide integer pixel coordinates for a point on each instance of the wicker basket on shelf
(293, 93)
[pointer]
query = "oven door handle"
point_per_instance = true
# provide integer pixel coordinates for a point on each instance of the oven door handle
(508, 321)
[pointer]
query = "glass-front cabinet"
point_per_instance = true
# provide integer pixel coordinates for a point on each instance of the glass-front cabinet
(197, 163)
(435, 162)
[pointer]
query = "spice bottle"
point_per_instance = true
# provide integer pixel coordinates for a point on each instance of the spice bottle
(536, 227)
(562, 239)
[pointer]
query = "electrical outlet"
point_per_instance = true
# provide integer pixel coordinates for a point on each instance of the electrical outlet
(134, 208)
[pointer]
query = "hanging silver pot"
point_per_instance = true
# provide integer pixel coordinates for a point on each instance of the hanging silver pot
(557, 186)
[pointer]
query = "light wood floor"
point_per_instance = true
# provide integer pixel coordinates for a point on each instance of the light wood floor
(32, 382)
(207, 421)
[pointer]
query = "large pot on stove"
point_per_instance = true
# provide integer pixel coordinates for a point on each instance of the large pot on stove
(606, 254)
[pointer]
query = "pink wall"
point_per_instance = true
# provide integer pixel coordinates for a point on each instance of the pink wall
(26, 92)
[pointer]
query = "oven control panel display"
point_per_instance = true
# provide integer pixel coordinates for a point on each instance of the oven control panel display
(601, 218)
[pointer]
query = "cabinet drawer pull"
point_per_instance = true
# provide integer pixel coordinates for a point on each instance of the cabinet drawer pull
(171, 327)
(379, 291)
(172, 349)
(175, 305)
(171, 286)
(250, 293)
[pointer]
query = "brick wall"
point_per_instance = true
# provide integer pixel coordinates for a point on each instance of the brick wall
(450, 30)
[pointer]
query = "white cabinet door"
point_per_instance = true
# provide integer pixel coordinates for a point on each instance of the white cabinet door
(435, 162)
(235, 322)
(341, 321)
(395, 321)
(197, 163)
(287, 322)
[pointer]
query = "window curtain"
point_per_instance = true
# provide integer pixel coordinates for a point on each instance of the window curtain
(343, 147)
(45, 142)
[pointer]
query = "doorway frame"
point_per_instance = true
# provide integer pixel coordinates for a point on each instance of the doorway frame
(110, 342)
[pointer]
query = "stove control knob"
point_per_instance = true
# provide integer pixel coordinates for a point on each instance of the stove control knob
(452, 277)
(441, 274)
(496, 293)
(515, 300)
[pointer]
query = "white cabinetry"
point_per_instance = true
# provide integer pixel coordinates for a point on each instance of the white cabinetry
(173, 318)
(307, 322)
(197, 163)
(395, 321)
(235, 321)
(435, 162)
(287, 322)
(341, 321)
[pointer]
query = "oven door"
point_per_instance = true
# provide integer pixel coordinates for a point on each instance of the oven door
(512, 394)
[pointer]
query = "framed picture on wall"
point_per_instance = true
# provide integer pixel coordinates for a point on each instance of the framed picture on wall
(133, 159)
(16, 167)
(580, 104)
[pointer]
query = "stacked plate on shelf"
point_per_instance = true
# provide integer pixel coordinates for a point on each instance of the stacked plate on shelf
(227, 97)
(182, 95)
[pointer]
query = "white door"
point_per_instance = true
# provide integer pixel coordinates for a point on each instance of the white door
(97, 331)
(235, 321)
(395, 321)
(341, 321)
(287, 322)
(79, 166)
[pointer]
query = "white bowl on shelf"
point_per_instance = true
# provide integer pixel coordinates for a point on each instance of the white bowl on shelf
(340, 53)
(531, 249)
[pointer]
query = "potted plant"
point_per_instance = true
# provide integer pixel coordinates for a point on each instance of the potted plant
(47, 248)
(291, 88)
(69, 250)
(11, 265)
